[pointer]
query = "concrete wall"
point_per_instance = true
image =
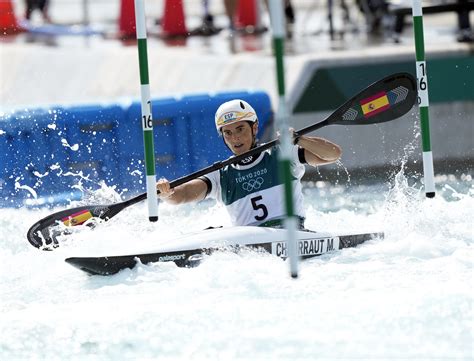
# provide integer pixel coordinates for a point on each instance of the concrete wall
(35, 75)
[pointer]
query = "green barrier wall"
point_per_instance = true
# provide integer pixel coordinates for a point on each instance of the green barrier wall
(450, 79)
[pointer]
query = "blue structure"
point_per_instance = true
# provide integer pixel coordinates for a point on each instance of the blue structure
(46, 153)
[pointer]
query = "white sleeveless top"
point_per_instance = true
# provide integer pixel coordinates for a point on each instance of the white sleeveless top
(252, 192)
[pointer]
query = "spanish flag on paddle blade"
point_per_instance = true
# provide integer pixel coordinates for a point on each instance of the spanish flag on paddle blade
(77, 218)
(375, 104)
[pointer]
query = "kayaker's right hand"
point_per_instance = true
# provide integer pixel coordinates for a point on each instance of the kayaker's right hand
(163, 186)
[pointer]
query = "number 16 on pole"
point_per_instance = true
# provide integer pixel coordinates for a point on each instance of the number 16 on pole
(147, 122)
(423, 100)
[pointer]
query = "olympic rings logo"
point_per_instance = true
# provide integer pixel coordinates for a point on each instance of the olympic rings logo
(252, 184)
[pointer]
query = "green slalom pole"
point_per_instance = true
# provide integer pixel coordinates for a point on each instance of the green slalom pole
(278, 26)
(423, 99)
(147, 121)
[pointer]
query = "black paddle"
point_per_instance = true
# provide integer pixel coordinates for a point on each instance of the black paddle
(382, 101)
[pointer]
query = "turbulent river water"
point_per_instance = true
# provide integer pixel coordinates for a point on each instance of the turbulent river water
(406, 297)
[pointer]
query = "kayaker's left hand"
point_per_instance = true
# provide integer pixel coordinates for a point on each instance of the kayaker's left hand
(163, 186)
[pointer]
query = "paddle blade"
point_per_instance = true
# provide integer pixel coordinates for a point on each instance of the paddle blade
(380, 102)
(44, 233)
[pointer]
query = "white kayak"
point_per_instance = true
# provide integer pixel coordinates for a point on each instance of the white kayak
(188, 250)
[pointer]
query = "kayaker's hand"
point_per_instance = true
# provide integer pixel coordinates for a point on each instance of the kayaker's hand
(163, 186)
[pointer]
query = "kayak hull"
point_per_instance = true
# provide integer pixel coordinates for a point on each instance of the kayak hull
(188, 251)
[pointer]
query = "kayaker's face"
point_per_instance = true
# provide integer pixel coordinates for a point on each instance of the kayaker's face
(239, 136)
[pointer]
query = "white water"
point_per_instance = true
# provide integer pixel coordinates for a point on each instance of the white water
(407, 297)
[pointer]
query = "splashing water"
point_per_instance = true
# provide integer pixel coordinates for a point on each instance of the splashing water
(103, 195)
(25, 187)
(408, 296)
(74, 147)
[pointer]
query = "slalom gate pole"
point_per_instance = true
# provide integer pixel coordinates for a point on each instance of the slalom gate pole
(147, 121)
(278, 27)
(423, 99)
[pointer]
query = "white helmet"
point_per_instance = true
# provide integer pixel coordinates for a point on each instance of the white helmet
(234, 111)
